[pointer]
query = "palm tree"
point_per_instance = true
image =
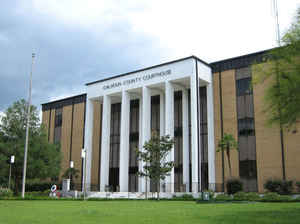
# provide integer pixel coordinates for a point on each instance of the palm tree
(227, 143)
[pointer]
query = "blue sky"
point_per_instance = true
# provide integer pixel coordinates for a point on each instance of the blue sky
(81, 41)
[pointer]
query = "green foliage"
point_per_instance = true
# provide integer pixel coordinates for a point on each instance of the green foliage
(71, 172)
(223, 197)
(226, 144)
(282, 71)
(154, 156)
(5, 193)
(234, 185)
(279, 186)
(184, 197)
(43, 159)
(243, 196)
(274, 197)
(40, 186)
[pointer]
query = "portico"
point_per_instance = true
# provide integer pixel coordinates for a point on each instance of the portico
(141, 90)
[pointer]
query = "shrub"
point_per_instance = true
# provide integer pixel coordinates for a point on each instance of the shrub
(184, 197)
(298, 186)
(279, 186)
(253, 196)
(43, 186)
(5, 192)
(234, 186)
(242, 196)
(223, 197)
(275, 197)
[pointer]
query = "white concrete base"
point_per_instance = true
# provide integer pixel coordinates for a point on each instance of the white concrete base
(138, 195)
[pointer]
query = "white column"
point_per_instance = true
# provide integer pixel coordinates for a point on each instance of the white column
(146, 133)
(185, 139)
(195, 137)
(210, 137)
(140, 180)
(170, 129)
(88, 142)
(162, 125)
(124, 142)
(105, 142)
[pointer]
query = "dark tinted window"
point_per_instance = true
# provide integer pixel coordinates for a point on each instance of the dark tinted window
(243, 86)
(246, 126)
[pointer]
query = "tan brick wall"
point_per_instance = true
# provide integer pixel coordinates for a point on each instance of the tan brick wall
(217, 129)
(96, 143)
(66, 137)
(77, 138)
(268, 146)
(292, 152)
(230, 118)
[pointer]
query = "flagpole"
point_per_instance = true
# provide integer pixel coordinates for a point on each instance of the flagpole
(27, 130)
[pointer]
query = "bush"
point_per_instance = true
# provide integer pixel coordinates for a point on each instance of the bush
(5, 192)
(30, 187)
(223, 197)
(234, 186)
(275, 197)
(279, 186)
(184, 197)
(298, 186)
(242, 196)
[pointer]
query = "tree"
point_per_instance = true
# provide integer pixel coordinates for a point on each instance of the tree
(43, 158)
(226, 144)
(282, 72)
(154, 155)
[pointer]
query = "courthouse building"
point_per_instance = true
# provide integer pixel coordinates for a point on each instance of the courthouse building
(194, 102)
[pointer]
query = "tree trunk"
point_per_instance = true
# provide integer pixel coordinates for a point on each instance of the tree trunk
(229, 161)
(158, 188)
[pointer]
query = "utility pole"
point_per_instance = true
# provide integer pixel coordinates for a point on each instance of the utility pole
(27, 130)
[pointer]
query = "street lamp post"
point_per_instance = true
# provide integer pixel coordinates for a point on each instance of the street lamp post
(12, 160)
(27, 131)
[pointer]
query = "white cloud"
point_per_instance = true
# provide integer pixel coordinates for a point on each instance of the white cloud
(212, 29)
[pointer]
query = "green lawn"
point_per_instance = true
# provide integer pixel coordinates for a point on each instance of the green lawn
(121, 212)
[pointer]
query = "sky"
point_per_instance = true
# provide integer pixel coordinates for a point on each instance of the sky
(79, 41)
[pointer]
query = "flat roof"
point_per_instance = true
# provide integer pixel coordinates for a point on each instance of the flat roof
(147, 68)
(218, 66)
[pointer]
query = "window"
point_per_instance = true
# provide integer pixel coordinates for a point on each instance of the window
(57, 125)
(243, 87)
(246, 126)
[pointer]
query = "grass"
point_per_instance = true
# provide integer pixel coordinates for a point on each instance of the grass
(65, 212)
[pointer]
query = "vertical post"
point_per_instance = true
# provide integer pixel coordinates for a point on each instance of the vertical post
(9, 177)
(210, 137)
(194, 131)
(88, 143)
(185, 140)
(27, 130)
(105, 142)
(124, 142)
(170, 129)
